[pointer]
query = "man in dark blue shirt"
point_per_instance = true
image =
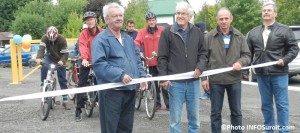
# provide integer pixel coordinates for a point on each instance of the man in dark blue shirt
(130, 29)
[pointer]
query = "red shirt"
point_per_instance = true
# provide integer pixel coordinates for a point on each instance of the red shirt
(150, 42)
(85, 41)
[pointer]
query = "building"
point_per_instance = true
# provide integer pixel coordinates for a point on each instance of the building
(165, 10)
(4, 38)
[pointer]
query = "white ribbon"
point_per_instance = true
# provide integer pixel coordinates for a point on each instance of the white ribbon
(187, 75)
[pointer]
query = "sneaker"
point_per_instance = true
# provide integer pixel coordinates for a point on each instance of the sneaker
(167, 109)
(66, 105)
(157, 108)
(78, 116)
(205, 96)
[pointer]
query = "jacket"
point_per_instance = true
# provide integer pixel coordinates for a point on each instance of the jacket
(281, 44)
(149, 42)
(111, 61)
(175, 56)
(238, 51)
(56, 51)
(85, 41)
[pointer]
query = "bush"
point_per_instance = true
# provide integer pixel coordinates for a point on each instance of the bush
(26, 23)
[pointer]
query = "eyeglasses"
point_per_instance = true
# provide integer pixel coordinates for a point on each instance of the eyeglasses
(181, 13)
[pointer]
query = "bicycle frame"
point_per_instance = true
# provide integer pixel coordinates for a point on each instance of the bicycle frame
(49, 79)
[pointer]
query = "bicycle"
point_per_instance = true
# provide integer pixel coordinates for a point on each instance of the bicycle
(91, 98)
(149, 94)
(47, 103)
(73, 76)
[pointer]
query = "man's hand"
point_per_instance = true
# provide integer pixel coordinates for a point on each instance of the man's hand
(85, 63)
(165, 85)
(280, 62)
(143, 86)
(205, 85)
(237, 66)
(126, 79)
(197, 73)
(60, 63)
(38, 61)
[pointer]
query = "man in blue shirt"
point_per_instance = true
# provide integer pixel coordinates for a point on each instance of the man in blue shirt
(130, 29)
(116, 58)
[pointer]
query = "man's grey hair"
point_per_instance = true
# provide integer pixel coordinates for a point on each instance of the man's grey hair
(272, 4)
(111, 5)
(183, 6)
(223, 9)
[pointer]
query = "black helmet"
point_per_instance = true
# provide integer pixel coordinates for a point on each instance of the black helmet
(89, 14)
(150, 15)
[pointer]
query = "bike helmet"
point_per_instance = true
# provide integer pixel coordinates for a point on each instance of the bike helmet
(150, 15)
(89, 14)
(52, 33)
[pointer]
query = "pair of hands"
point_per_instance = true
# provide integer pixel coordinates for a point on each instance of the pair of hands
(38, 61)
(167, 84)
(236, 67)
(126, 79)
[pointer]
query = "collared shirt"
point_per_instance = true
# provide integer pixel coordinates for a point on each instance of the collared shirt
(183, 33)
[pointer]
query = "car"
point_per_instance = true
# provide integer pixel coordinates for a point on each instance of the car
(5, 55)
(294, 66)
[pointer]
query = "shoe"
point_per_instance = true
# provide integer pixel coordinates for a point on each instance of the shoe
(78, 116)
(205, 96)
(66, 105)
(167, 109)
(157, 108)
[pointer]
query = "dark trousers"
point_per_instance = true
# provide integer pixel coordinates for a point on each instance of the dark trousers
(154, 72)
(82, 82)
(234, 99)
(116, 110)
(61, 73)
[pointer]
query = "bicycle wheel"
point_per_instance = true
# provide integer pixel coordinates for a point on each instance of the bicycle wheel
(45, 106)
(53, 89)
(150, 100)
(72, 82)
(89, 103)
(138, 97)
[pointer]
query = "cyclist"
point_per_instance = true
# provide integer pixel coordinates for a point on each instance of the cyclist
(85, 39)
(147, 40)
(57, 53)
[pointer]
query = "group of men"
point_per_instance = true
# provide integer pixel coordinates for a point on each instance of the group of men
(181, 47)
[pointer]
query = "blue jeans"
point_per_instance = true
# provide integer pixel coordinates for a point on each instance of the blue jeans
(116, 110)
(180, 92)
(61, 73)
(274, 87)
(234, 99)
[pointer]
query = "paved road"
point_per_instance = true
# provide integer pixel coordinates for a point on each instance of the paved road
(23, 116)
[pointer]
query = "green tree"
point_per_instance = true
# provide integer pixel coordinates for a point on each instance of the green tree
(95, 6)
(7, 7)
(208, 16)
(72, 28)
(56, 15)
(135, 11)
(246, 13)
(288, 12)
(27, 23)
(60, 13)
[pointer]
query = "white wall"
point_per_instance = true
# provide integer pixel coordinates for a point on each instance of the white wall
(168, 20)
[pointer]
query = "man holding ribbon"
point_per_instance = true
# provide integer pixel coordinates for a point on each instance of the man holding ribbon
(116, 58)
(268, 42)
(181, 49)
(227, 47)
